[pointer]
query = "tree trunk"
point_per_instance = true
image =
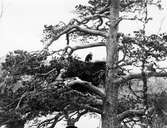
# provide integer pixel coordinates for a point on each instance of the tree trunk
(109, 117)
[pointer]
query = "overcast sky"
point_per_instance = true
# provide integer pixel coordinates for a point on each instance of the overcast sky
(23, 20)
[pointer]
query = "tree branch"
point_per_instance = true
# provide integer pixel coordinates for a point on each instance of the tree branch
(69, 28)
(80, 114)
(93, 17)
(90, 31)
(90, 45)
(139, 76)
(88, 99)
(130, 113)
(134, 113)
(87, 85)
(89, 108)
(70, 49)
(55, 118)
(21, 98)
(47, 73)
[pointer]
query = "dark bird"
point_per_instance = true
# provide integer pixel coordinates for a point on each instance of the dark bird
(88, 57)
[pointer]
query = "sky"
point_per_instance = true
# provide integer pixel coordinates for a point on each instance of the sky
(22, 22)
(86, 121)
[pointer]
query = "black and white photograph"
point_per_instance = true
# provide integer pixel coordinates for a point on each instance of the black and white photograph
(83, 63)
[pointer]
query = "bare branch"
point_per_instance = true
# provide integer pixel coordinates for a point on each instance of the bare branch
(139, 76)
(124, 54)
(75, 28)
(80, 114)
(130, 88)
(70, 49)
(21, 98)
(90, 45)
(90, 31)
(56, 118)
(45, 122)
(134, 113)
(131, 113)
(132, 18)
(52, 39)
(94, 17)
(45, 74)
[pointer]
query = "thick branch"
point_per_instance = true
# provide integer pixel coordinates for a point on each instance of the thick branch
(88, 99)
(89, 108)
(90, 45)
(75, 28)
(88, 85)
(90, 31)
(131, 113)
(139, 76)
(134, 113)
(93, 17)
(70, 49)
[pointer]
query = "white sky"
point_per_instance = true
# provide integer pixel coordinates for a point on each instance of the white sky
(23, 20)
(86, 121)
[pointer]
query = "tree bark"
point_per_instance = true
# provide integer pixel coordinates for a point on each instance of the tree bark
(109, 117)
